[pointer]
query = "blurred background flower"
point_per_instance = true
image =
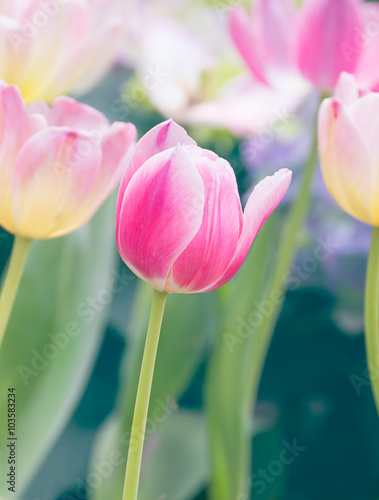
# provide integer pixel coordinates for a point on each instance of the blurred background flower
(54, 47)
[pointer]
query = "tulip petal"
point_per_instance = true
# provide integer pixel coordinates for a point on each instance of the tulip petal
(368, 69)
(322, 58)
(50, 48)
(92, 59)
(54, 176)
(272, 19)
(344, 158)
(164, 136)
(16, 127)
(364, 113)
(347, 89)
(67, 112)
(117, 145)
(262, 202)
(161, 213)
(243, 34)
(208, 255)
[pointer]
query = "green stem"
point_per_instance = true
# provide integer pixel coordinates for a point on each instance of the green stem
(372, 314)
(12, 280)
(133, 466)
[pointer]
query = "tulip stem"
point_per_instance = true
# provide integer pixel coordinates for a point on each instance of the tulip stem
(372, 314)
(11, 283)
(133, 466)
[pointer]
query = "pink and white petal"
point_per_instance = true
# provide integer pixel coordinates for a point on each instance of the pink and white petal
(245, 39)
(208, 255)
(15, 50)
(67, 112)
(347, 90)
(272, 19)
(16, 125)
(161, 213)
(344, 159)
(164, 136)
(264, 199)
(117, 146)
(52, 181)
(321, 59)
(364, 113)
(368, 68)
(93, 58)
(48, 49)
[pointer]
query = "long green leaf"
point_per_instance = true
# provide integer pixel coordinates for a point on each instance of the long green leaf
(53, 339)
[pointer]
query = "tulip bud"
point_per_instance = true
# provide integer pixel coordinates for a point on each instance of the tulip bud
(179, 221)
(348, 127)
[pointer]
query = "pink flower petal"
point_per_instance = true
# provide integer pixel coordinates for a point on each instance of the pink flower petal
(209, 254)
(49, 49)
(117, 145)
(327, 33)
(16, 126)
(368, 69)
(54, 177)
(262, 202)
(345, 161)
(161, 137)
(273, 19)
(161, 212)
(242, 32)
(67, 112)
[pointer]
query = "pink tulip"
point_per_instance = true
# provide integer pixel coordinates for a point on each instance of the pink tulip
(58, 164)
(317, 40)
(54, 47)
(180, 224)
(349, 150)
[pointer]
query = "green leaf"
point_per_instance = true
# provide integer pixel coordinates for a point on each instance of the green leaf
(226, 382)
(177, 465)
(53, 339)
(187, 324)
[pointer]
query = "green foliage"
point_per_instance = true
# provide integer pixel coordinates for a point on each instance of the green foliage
(51, 345)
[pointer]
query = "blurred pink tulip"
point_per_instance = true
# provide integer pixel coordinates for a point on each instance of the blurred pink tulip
(349, 149)
(58, 164)
(179, 221)
(54, 47)
(319, 40)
